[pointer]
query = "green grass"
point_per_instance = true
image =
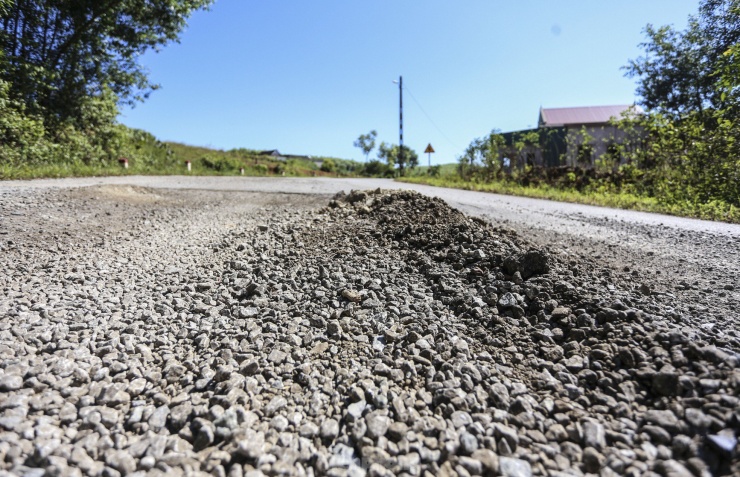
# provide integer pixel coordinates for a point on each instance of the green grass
(148, 156)
(710, 211)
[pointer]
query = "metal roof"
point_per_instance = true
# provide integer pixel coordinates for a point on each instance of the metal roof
(553, 117)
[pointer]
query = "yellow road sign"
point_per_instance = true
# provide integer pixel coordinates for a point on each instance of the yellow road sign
(429, 149)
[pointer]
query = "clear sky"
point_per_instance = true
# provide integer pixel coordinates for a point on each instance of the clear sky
(308, 77)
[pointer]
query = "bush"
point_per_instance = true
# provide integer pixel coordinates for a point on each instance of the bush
(221, 163)
(328, 165)
(378, 169)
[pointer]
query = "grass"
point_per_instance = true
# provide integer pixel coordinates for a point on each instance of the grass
(709, 211)
(151, 157)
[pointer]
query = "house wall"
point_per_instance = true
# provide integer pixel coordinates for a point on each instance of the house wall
(562, 146)
(598, 137)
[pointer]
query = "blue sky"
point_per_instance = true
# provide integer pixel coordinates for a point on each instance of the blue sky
(308, 77)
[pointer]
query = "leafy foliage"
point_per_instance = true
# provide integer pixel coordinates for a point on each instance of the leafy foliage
(328, 165)
(684, 154)
(481, 158)
(688, 146)
(57, 54)
(366, 142)
(402, 157)
(377, 169)
(220, 163)
(690, 71)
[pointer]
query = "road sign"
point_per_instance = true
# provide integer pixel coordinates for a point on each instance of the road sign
(428, 151)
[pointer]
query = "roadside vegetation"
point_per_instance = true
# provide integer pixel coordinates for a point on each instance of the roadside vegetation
(67, 67)
(681, 157)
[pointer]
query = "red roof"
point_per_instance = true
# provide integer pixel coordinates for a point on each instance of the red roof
(553, 117)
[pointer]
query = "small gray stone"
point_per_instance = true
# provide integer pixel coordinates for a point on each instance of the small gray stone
(114, 394)
(279, 423)
(468, 443)
(397, 431)
(277, 356)
(10, 382)
(593, 460)
(120, 460)
(488, 458)
(276, 404)
(249, 368)
(508, 434)
(461, 419)
(308, 430)
(251, 447)
(663, 418)
(355, 410)
(665, 383)
(159, 417)
(724, 442)
(593, 435)
(672, 468)
(510, 467)
(248, 312)
(507, 300)
(329, 429)
(377, 424)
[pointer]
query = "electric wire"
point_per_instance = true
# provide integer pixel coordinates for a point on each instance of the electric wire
(430, 119)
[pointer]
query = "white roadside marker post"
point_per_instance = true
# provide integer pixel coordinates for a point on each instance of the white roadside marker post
(189, 165)
(124, 162)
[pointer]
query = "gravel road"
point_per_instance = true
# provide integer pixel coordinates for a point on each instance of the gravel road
(694, 261)
(238, 326)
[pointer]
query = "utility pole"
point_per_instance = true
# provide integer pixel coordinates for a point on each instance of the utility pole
(400, 117)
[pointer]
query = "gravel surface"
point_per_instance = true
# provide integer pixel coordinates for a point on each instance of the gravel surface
(176, 332)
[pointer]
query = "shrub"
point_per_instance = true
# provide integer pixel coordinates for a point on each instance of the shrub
(377, 169)
(220, 163)
(328, 165)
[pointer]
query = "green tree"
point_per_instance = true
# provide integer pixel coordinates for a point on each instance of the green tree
(366, 142)
(56, 54)
(385, 153)
(688, 144)
(482, 157)
(682, 71)
(401, 157)
(492, 147)
(469, 163)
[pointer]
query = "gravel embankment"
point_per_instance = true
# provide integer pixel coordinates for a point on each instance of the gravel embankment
(385, 334)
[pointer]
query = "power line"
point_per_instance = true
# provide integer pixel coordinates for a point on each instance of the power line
(430, 119)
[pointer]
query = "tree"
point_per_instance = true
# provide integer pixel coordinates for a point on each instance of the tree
(491, 148)
(56, 54)
(482, 157)
(385, 152)
(688, 145)
(687, 71)
(366, 142)
(395, 156)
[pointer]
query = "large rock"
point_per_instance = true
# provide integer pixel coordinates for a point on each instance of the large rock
(528, 264)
